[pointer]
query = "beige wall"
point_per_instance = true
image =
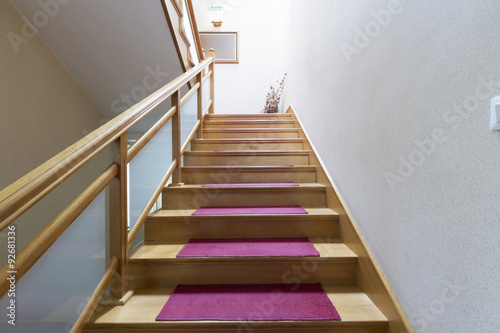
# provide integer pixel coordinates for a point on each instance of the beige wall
(42, 111)
(417, 91)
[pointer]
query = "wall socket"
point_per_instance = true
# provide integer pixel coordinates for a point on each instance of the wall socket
(495, 114)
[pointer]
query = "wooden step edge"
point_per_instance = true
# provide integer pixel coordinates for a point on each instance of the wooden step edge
(311, 168)
(314, 213)
(248, 152)
(249, 121)
(246, 115)
(250, 130)
(329, 252)
(301, 187)
(248, 140)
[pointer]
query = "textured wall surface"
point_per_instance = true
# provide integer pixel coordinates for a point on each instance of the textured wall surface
(243, 87)
(43, 110)
(396, 97)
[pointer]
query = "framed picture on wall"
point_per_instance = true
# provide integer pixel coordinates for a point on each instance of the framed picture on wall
(225, 44)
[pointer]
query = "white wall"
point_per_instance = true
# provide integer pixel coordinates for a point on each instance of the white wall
(118, 50)
(242, 88)
(439, 225)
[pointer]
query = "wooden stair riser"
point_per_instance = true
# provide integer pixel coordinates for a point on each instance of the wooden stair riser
(262, 134)
(228, 271)
(234, 117)
(198, 145)
(180, 198)
(193, 175)
(181, 230)
(248, 124)
(250, 327)
(257, 159)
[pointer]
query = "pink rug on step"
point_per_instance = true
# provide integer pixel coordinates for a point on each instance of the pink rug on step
(250, 184)
(250, 210)
(248, 166)
(249, 247)
(266, 302)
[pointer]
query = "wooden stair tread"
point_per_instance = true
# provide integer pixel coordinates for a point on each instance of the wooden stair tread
(252, 130)
(247, 152)
(248, 115)
(139, 313)
(249, 140)
(337, 252)
(188, 187)
(250, 168)
(313, 213)
(249, 122)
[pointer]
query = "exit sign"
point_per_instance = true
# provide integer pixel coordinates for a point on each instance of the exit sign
(216, 8)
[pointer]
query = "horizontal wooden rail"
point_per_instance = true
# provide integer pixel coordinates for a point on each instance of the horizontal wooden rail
(142, 218)
(96, 296)
(206, 77)
(24, 193)
(144, 139)
(41, 243)
(190, 137)
(207, 109)
(190, 93)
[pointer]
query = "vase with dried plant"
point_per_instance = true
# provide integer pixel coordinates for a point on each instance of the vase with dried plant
(274, 96)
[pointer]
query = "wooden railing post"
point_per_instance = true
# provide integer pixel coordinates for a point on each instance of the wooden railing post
(176, 139)
(118, 222)
(199, 132)
(211, 53)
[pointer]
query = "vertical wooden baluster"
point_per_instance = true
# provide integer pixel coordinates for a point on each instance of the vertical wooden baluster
(118, 223)
(199, 132)
(211, 53)
(176, 139)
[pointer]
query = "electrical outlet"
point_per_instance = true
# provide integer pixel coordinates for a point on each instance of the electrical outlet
(495, 114)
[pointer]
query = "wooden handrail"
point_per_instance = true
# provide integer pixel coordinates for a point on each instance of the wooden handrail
(190, 137)
(206, 77)
(96, 296)
(190, 93)
(41, 243)
(23, 194)
(194, 29)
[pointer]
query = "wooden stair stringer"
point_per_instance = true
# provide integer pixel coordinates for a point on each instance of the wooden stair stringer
(370, 277)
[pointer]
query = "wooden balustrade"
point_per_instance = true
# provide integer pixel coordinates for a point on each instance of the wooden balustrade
(19, 197)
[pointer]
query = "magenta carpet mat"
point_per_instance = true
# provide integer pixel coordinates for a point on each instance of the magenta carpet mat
(267, 302)
(250, 184)
(248, 166)
(250, 210)
(249, 247)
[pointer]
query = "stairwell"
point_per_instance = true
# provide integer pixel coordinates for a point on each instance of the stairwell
(267, 148)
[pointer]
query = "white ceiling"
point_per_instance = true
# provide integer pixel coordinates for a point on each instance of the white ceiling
(109, 46)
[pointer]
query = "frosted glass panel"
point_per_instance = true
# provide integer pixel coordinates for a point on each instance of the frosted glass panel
(189, 117)
(206, 94)
(53, 293)
(147, 170)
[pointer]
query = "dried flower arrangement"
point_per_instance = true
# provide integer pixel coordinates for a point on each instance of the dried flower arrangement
(273, 97)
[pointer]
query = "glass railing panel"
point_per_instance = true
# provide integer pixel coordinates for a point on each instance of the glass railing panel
(53, 293)
(147, 170)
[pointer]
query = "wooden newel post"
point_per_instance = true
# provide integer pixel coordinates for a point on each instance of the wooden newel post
(211, 53)
(199, 132)
(176, 139)
(118, 223)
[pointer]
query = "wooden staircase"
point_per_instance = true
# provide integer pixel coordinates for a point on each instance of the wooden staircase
(242, 149)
